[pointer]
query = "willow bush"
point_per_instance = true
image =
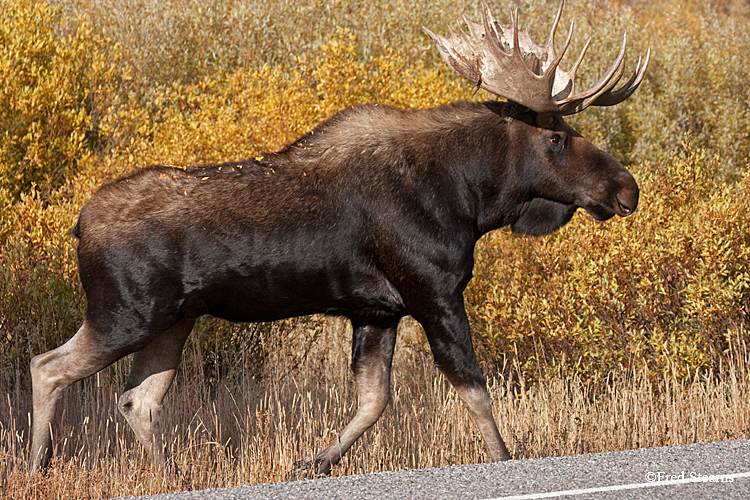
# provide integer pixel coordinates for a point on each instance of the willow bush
(87, 95)
(56, 85)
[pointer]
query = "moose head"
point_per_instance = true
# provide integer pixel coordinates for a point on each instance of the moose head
(509, 64)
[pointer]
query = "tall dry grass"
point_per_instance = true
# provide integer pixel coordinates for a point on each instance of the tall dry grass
(235, 429)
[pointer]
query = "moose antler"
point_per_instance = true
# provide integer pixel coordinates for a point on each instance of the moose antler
(509, 64)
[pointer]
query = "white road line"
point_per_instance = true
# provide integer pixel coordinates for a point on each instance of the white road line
(719, 478)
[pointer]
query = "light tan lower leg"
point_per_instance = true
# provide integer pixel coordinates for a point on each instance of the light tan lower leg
(151, 375)
(51, 373)
(477, 401)
(372, 353)
(373, 387)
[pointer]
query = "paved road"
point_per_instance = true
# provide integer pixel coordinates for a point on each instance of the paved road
(698, 471)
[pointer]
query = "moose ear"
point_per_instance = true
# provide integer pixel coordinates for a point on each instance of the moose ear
(541, 216)
(545, 121)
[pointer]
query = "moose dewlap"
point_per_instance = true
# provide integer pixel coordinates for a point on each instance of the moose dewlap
(372, 216)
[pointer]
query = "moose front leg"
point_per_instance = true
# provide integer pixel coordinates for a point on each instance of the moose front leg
(450, 340)
(372, 353)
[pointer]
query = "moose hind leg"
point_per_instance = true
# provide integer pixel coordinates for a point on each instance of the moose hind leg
(81, 356)
(372, 353)
(151, 374)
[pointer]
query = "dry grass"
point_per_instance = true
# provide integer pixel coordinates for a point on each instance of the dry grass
(235, 429)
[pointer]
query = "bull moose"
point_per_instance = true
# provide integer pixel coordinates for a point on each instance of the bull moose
(372, 216)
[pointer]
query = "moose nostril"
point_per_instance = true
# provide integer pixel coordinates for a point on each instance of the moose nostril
(625, 207)
(625, 210)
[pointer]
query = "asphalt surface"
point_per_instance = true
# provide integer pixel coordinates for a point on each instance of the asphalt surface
(697, 471)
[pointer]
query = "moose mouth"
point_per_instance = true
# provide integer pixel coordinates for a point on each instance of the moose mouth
(605, 211)
(600, 212)
(624, 208)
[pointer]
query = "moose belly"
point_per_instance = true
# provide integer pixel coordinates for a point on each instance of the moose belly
(266, 283)
(284, 294)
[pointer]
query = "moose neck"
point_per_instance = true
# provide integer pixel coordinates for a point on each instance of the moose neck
(490, 150)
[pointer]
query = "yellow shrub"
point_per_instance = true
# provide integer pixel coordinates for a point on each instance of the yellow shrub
(51, 94)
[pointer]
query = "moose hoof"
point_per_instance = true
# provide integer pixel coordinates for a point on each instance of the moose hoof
(309, 468)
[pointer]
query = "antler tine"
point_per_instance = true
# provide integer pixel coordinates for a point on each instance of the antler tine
(551, 40)
(577, 64)
(492, 23)
(570, 76)
(489, 25)
(511, 65)
(604, 89)
(531, 49)
(608, 80)
(558, 57)
(516, 42)
(458, 52)
(617, 96)
(475, 29)
(493, 42)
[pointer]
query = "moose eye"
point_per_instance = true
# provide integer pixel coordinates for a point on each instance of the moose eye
(556, 142)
